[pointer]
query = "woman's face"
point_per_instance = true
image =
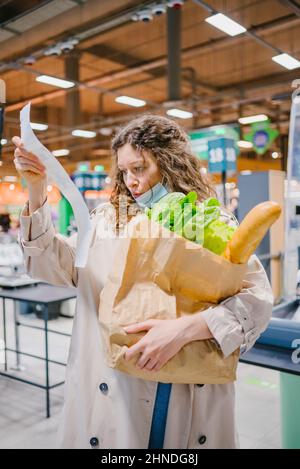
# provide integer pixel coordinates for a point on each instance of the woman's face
(140, 172)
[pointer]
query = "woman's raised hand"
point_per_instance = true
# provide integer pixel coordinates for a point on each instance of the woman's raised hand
(27, 164)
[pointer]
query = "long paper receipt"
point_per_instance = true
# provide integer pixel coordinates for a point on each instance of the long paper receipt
(61, 178)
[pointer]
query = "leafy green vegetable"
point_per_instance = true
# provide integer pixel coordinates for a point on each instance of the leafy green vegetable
(190, 198)
(198, 222)
(169, 203)
(211, 210)
(194, 228)
(216, 236)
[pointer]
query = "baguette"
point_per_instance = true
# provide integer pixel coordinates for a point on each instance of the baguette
(251, 231)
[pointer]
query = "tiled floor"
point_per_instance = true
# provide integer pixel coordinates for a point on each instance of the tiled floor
(22, 407)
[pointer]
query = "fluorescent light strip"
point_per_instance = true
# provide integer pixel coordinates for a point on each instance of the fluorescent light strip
(225, 24)
(84, 133)
(252, 119)
(246, 172)
(179, 113)
(36, 126)
(245, 144)
(287, 61)
(130, 101)
(61, 152)
(106, 131)
(59, 82)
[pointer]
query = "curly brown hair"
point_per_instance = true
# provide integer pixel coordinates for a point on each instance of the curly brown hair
(170, 146)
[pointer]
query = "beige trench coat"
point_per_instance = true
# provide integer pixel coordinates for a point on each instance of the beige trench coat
(119, 412)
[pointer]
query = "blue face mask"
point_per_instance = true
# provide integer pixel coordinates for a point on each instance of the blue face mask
(152, 196)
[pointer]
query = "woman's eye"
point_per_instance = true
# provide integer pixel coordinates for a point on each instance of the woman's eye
(139, 169)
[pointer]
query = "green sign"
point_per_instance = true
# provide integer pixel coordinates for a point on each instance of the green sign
(200, 138)
(261, 136)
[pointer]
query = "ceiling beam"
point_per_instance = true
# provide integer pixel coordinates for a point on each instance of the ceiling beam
(263, 82)
(271, 27)
(292, 5)
(76, 19)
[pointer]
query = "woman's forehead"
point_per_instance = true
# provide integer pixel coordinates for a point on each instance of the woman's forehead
(128, 155)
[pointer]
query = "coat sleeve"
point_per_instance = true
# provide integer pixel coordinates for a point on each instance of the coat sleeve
(239, 320)
(49, 256)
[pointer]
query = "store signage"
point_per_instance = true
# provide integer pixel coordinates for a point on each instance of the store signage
(261, 136)
(200, 138)
(222, 155)
(89, 180)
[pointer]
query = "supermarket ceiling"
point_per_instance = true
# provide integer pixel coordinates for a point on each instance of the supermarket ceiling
(112, 48)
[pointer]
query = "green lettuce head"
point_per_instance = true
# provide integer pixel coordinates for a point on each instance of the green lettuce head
(197, 222)
(216, 236)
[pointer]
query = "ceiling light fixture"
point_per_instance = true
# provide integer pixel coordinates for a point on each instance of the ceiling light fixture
(179, 113)
(105, 131)
(37, 126)
(245, 144)
(84, 133)
(145, 15)
(53, 81)
(252, 119)
(246, 172)
(225, 24)
(61, 152)
(130, 101)
(159, 8)
(287, 61)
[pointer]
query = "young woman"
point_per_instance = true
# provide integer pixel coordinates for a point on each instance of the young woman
(105, 408)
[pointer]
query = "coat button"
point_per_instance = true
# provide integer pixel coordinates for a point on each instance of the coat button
(202, 440)
(94, 442)
(103, 388)
(200, 385)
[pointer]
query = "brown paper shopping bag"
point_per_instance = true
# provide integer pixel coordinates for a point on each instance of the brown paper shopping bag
(164, 276)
